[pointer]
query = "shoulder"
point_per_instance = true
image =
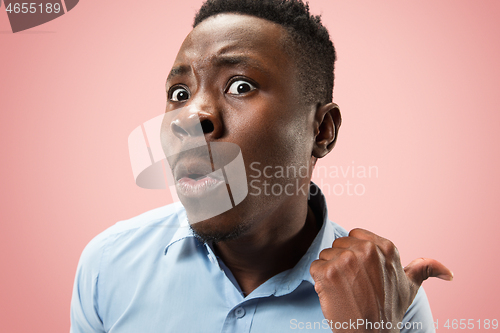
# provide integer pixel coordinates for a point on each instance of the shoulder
(137, 231)
(108, 257)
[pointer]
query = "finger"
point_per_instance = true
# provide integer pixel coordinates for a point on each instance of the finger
(330, 253)
(364, 235)
(323, 270)
(317, 268)
(421, 269)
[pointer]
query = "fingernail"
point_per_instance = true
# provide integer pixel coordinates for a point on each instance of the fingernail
(447, 277)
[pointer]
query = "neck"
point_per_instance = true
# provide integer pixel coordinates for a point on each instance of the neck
(275, 246)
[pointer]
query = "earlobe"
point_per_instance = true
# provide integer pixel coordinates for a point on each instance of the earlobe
(327, 122)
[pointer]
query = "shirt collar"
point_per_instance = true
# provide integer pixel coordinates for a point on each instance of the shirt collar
(183, 230)
(290, 279)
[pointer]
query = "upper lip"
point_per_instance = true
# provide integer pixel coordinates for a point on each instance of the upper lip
(195, 168)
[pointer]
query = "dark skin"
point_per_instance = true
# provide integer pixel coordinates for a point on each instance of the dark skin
(219, 54)
(232, 71)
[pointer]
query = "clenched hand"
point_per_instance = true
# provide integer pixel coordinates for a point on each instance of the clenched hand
(361, 277)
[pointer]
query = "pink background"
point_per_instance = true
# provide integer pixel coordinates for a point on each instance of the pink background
(417, 81)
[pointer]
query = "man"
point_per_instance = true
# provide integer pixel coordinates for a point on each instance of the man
(259, 75)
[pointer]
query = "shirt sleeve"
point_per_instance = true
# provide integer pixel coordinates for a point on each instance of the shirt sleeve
(418, 318)
(84, 303)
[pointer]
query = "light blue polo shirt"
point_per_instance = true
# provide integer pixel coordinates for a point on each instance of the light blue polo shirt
(150, 274)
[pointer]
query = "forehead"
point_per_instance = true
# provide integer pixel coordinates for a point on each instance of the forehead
(255, 40)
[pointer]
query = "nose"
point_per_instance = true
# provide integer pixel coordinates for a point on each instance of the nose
(194, 121)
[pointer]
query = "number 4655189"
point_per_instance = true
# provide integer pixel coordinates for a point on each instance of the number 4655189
(33, 8)
(469, 324)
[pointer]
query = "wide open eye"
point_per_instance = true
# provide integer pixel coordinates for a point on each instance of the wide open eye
(240, 87)
(179, 94)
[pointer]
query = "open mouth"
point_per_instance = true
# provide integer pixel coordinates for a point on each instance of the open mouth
(196, 179)
(196, 176)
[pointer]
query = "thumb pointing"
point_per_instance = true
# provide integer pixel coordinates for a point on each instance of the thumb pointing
(421, 269)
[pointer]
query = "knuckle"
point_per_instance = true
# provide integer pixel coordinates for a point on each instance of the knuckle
(318, 287)
(355, 231)
(388, 248)
(314, 269)
(369, 248)
(347, 257)
(396, 254)
(324, 254)
(332, 272)
(427, 272)
(336, 242)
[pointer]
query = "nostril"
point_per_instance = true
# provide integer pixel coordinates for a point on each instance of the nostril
(207, 126)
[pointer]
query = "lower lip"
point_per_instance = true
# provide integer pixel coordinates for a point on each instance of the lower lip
(196, 187)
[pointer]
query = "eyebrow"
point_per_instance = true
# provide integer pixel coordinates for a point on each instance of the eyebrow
(178, 70)
(241, 60)
(221, 61)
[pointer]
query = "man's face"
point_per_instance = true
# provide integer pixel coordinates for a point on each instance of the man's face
(232, 71)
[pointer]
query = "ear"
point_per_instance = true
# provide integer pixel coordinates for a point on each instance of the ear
(327, 124)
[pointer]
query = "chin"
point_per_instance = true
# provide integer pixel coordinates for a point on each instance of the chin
(216, 234)
(224, 227)
(231, 224)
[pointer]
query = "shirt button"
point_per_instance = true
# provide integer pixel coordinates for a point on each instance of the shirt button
(239, 312)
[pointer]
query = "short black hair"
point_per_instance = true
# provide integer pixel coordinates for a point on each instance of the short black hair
(311, 44)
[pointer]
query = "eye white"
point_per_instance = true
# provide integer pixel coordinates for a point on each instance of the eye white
(179, 94)
(240, 87)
